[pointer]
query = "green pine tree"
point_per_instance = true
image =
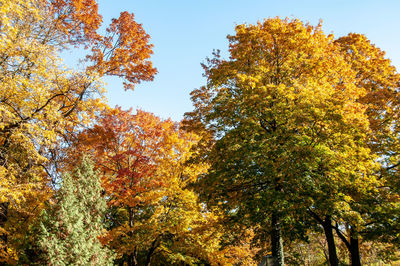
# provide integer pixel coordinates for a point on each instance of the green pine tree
(70, 228)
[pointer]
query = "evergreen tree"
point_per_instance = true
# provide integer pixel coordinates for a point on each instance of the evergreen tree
(71, 227)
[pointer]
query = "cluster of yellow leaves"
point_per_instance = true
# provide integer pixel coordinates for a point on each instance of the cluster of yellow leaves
(291, 80)
(378, 77)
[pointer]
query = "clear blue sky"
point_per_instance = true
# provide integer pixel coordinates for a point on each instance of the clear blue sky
(185, 32)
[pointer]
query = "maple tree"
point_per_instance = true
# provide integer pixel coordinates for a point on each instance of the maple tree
(154, 215)
(42, 102)
(290, 131)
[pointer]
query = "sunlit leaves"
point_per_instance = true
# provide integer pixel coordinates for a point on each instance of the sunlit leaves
(124, 52)
(289, 125)
(146, 168)
(42, 102)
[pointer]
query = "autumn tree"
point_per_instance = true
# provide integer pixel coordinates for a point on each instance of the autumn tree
(289, 131)
(42, 102)
(378, 77)
(146, 169)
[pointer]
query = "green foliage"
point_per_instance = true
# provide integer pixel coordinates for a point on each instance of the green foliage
(71, 226)
(290, 131)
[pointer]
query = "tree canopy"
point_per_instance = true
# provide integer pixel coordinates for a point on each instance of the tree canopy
(292, 127)
(292, 149)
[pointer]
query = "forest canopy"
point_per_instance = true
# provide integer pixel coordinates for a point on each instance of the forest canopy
(291, 153)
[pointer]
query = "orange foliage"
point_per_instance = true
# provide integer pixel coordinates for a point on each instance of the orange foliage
(124, 52)
(78, 19)
(126, 148)
(146, 167)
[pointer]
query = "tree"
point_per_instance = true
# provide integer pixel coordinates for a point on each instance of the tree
(289, 131)
(376, 75)
(146, 170)
(42, 103)
(72, 225)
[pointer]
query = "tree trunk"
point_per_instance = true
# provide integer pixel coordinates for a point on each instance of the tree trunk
(154, 245)
(148, 258)
(132, 260)
(328, 230)
(276, 241)
(354, 249)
